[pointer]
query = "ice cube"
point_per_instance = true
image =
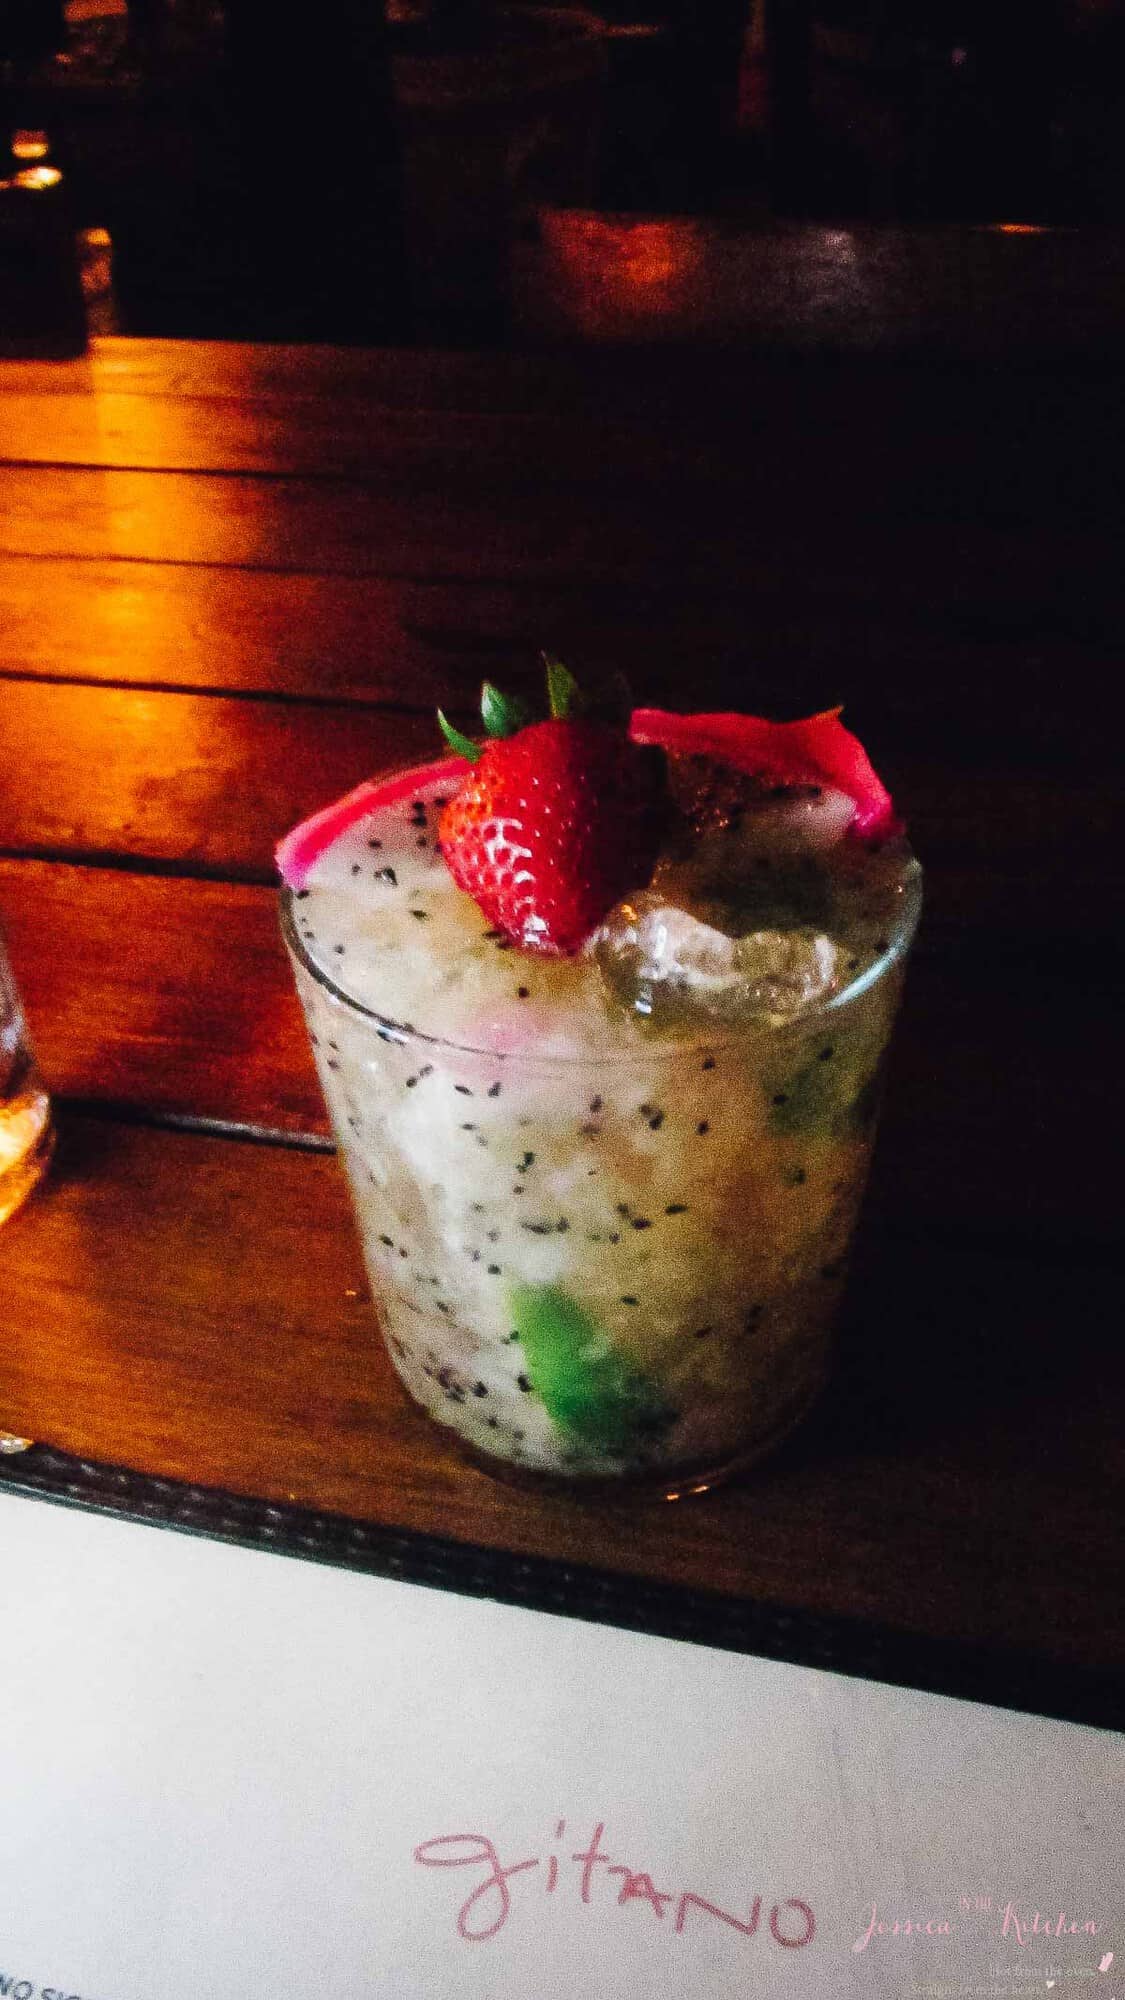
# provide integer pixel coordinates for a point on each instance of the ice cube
(783, 971)
(667, 963)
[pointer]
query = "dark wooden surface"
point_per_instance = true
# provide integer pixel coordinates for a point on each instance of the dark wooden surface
(234, 581)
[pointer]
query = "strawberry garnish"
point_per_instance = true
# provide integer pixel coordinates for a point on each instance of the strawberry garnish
(555, 822)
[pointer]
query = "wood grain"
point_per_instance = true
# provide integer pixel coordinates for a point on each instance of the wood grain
(196, 1308)
(206, 785)
(172, 999)
(182, 781)
(934, 532)
(973, 683)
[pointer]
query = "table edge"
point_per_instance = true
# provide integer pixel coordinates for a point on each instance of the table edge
(799, 1637)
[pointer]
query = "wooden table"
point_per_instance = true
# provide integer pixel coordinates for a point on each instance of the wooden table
(233, 581)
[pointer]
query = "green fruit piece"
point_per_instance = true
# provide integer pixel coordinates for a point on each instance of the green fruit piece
(584, 1384)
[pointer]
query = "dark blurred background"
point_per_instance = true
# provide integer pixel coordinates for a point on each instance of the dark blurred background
(345, 170)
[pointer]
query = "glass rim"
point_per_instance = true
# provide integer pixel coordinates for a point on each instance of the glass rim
(727, 1034)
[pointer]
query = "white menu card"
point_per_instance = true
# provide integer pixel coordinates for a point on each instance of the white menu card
(225, 1772)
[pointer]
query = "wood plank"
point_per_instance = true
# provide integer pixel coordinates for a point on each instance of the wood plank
(187, 782)
(982, 682)
(433, 379)
(172, 999)
(937, 536)
(200, 1312)
(871, 440)
(585, 382)
(166, 998)
(206, 785)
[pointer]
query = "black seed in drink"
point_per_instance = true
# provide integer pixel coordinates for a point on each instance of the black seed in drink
(589, 1131)
(523, 1382)
(422, 915)
(676, 1208)
(523, 992)
(537, 1228)
(656, 1121)
(388, 876)
(595, 1104)
(493, 1234)
(462, 1090)
(494, 1270)
(703, 1128)
(468, 1128)
(388, 1240)
(300, 895)
(627, 1299)
(826, 1055)
(332, 1063)
(641, 1222)
(479, 1389)
(374, 843)
(709, 1062)
(798, 1177)
(562, 1225)
(782, 1097)
(339, 950)
(494, 1090)
(701, 1332)
(355, 867)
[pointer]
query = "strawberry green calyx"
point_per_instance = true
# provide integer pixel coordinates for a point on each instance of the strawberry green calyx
(563, 692)
(502, 714)
(461, 744)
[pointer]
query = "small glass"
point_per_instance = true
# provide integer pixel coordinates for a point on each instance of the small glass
(27, 1133)
(611, 1271)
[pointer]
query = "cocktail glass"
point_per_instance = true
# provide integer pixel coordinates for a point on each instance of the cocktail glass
(26, 1130)
(610, 1270)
